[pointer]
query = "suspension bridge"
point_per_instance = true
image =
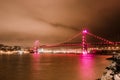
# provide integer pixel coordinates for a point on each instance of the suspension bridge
(84, 43)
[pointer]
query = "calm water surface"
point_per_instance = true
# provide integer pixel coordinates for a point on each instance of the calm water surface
(52, 67)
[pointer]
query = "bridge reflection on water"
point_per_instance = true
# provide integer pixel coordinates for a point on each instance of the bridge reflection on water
(52, 67)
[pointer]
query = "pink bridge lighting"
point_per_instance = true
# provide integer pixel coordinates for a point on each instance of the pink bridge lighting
(84, 31)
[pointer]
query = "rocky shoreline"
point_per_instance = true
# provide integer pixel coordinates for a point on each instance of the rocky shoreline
(112, 72)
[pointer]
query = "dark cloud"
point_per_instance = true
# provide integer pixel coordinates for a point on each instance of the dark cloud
(56, 20)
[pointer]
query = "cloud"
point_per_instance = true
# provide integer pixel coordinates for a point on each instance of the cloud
(53, 21)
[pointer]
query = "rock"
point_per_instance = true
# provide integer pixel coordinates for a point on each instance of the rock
(112, 71)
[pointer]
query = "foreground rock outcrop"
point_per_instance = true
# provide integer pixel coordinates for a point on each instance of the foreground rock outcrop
(112, 72)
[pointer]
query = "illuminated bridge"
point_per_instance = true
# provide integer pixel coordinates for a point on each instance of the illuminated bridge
(85, 46)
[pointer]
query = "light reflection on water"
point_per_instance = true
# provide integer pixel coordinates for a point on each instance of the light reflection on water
(86, 67)
(52, 67)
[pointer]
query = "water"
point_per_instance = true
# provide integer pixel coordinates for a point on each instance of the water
(52, 67)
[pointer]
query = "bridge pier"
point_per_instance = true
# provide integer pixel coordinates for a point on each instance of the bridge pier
(84, 42)
(36, 47)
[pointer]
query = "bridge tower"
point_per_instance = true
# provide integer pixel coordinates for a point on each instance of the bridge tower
(84, 42)
(36, 46)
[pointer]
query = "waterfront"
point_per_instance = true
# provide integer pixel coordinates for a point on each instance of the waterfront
(52, 67)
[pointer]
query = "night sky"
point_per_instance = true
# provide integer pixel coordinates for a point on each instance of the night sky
(52, 21)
